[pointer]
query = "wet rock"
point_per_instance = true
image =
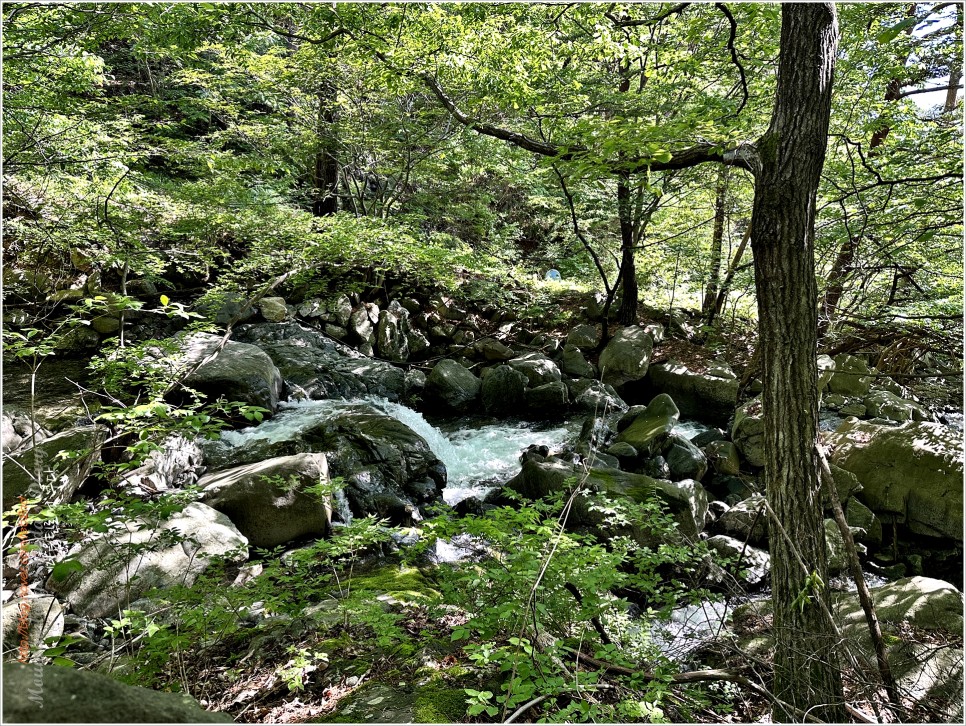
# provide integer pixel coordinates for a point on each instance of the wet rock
(451, 387)
(391, 340)
(594, 397)
(237, 371)
(685, 460)
(549, 399)
(502, 390)
(649, 429)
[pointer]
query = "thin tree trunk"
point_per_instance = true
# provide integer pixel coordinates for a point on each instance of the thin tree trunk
(792, 153)
(717, 236)
(628, 311)
(325, 174)
(729, 276)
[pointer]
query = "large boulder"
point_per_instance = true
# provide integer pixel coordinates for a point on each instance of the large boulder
(685, 460)
(123, 566)
(502, 390)
(361, 327)
(851, 376)
(538, 369)
(573, 363)
(686, 501)
(53, 694)
(271, 502)
(923, 672)
(550, 399)
(237, 371)
(747, 520)
(650, 428)
(45, 619)
(318, 367)
(626, 356)
(748, 431)
(911, 474)
(584, 337)
(594, 397)
(451, 387)
(710, 394)
(748, 564)
(42, 471)
(887, 405)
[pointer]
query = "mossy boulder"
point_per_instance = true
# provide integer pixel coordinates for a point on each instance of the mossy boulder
(851, 376)
(650, 428)
(911, 473)
(710, 395)
(626, 356)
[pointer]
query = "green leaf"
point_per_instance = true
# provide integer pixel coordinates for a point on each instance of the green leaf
(889, 34)
(165, 299)
(65, 567)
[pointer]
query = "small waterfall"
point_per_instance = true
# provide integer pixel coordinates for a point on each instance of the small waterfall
(341, 504)
(477, 456)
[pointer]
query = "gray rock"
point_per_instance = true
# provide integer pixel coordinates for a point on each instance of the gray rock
(573, 363)
(594, 306)
(273, 309)
(493, 350)
(911, 473)
(416, 341)
(40, 471)
(123, 566)
(851, 376)
(746, 520)
(177, 464)
(338, 310)
(45, 620)
(861, 517)
(838, 558)
(853, 409)
(451, 387)
(594, 397)
(538, 368)
(106, 324)
(887, 405)
(550, 399)
(622, 450)
(688, 501)
(685, 460)
(226, 309)
(710, 396)
(322, 368)
(649, 429)
(656, 467)
(748, 432)
(237, 371)
(19, 430)
(361, 327)
(270, 502)
(826, 368)
(334, 331)
(835, 401)
(53, 694)
(502, 390)
(723, 456)
(626, 356)
(748, 564)
(584, 337)
(391, 340)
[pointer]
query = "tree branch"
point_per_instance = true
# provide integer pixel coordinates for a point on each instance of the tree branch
(650, 21)
(734, 54)
(915, 91)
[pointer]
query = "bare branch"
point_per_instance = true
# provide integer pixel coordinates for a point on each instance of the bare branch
(734, 54)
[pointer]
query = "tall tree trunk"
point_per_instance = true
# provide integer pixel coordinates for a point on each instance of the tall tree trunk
(955, 71)
(792, 153)
(325, 173)
(729, 276)
(717, 236)
(628, 312)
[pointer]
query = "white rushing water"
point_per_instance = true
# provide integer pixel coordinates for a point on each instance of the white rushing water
(477, 456)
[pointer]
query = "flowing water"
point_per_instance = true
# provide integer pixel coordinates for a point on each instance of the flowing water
(478, 453)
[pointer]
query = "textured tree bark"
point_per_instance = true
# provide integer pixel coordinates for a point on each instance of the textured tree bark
(792, 152)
